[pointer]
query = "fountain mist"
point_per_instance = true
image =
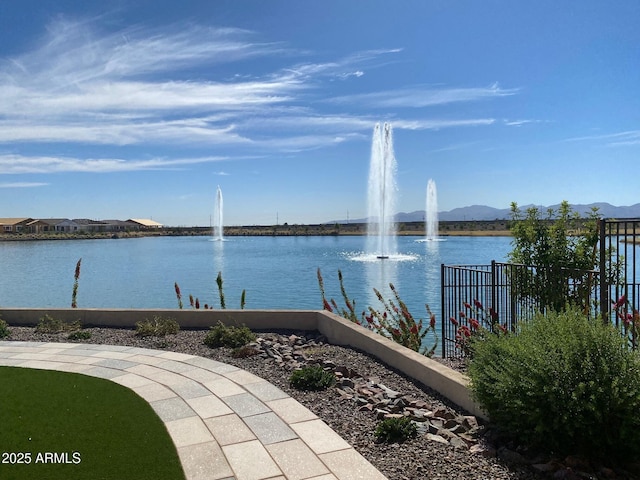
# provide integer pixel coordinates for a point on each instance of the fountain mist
(217, 224)
(431, 221)
(381, 194)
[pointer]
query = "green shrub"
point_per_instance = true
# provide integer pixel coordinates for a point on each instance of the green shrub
(49, 324)
(565, 383)
(79, 335)
(312, 377)
(4, 329)
(395, 429)
(221, 335)
(157, 327)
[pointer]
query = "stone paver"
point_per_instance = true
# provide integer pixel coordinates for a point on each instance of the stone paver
(226, 423)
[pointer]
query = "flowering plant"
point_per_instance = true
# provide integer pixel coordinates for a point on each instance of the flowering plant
(630, 319)
(474, 324)
(394, 322)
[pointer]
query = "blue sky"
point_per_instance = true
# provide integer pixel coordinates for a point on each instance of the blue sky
(140, 109)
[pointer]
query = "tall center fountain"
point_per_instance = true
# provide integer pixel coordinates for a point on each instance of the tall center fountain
(431, 219)
(381, 228)
(217, 220)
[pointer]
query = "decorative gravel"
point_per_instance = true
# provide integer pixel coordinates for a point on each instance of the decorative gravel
(415, 459)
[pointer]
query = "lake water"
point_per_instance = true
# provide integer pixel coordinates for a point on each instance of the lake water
(277, 272)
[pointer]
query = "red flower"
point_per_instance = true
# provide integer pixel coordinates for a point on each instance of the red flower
(466, 305)
(326, 305)
(493, 314)
(478, 304)
(475, 325)
(454, 321)
(462, 315)
(621, 301)
(414, 329)
(197, 304)
(432, 321)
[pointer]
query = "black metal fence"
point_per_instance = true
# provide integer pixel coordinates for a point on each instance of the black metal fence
(620, 262)
(501, 294)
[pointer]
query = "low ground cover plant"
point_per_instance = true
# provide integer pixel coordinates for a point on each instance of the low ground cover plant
(157, 327)
(49, 324)
(312, 377)
(566, 383)
(395, 430)
(229, 336)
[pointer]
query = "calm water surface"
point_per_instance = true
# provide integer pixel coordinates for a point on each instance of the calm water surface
(277, 272)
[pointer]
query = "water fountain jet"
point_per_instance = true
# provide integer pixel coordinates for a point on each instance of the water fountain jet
(381, 229)
(431, 220)
(218, 225)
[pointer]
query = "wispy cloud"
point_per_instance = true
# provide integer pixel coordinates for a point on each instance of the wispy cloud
(22, 184)
(156, 88)
(427, 96)
(619, 139)
(519, 123)
(16, 164)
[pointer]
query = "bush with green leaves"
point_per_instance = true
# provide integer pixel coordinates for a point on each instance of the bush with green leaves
(562, 245)
(312, 377)
(395, 430)
(221, 335)
(566, 383)
(79, 335)
(157, 327)
(49, 324)
(4, 329)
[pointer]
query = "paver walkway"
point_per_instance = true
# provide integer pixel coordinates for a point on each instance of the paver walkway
(226, 423)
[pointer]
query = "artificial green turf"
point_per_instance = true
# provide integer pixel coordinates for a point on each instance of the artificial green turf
(114, 433)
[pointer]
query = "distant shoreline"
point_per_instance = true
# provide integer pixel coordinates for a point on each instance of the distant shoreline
(467, 228)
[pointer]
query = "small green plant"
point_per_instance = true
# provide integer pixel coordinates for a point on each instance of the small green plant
(157, 327)
(565, 383)
(395, 430)
(79, 335)
(4, 329)
(49, 324)
(221, 335)
(312, 377)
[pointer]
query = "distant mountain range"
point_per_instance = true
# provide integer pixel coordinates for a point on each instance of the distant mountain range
(483, 212)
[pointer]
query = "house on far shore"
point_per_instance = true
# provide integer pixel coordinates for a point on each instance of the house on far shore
(120, 225)
(14, 225)
(46, 225)
(145, 224)
(87, 225)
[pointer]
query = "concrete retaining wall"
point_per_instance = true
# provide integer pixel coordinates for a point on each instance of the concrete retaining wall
(449, 383)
